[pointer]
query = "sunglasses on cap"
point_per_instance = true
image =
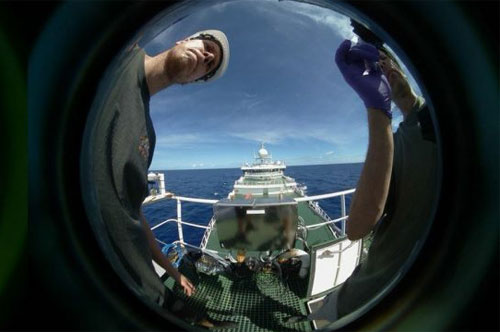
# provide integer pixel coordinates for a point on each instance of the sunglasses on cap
(205, 36)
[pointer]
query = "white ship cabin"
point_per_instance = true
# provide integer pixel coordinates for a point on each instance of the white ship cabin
(263, 178)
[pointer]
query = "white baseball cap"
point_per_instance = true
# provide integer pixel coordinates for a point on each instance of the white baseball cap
(220, 38)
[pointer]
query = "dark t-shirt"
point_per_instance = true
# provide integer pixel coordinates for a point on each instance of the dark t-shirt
(122, 141)
(412, 193)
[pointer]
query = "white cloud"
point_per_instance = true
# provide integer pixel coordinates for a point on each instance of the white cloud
(340, 24)
(307, 132)
(183, 140)
(198, 165)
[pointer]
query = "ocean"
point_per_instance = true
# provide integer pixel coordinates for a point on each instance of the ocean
(217, 183)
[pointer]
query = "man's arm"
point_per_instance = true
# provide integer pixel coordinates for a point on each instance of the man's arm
(159, 258)
(371, 193)
(358, 64)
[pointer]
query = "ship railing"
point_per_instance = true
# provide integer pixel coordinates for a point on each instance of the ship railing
(211, 224)
(263, 174)
(206, 235)
(259, 182)
(299, 191)
(182, 243)
(180, 233)
(179, 221)
(315, 206)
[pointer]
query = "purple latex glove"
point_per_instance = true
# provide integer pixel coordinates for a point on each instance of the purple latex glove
(357, 63)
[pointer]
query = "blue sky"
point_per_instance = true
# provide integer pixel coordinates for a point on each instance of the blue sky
(281, 87)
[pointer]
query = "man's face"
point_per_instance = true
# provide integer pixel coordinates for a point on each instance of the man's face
(400, 88)
(192, 59)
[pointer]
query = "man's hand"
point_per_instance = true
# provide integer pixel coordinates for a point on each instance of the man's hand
(358, 64)
(401, 91)
(186, 284)
(161, 260)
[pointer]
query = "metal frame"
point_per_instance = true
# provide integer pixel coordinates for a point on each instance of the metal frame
(312, 268)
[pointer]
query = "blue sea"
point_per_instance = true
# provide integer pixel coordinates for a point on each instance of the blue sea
(217, 183)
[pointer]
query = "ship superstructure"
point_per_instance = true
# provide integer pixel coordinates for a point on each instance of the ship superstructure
(264, 178)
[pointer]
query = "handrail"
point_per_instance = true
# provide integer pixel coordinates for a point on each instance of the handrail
(317, 197)
(196, 200)
(194, 225)
(331, 221)
(267, 185)
(181, 222)
(309, 199)
(161, 242)
(315, 206)
(162, 223)
(205, 237)
(195, 247)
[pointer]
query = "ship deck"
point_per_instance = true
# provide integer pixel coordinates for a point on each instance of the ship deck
(258, 301)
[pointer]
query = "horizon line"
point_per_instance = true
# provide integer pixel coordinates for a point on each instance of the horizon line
(214, 168)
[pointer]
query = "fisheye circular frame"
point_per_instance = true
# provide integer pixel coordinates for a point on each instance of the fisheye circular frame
(460, 107)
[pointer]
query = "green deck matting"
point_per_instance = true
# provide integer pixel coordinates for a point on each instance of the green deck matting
(257, 302)
(260, 301)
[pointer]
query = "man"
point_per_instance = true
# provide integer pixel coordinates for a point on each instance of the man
(120, 149)
(397, 213)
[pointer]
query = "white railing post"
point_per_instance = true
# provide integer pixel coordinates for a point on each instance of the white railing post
(162, 183)
(342, 207)
(179, 219)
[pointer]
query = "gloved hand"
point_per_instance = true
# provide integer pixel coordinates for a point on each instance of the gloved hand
(357, 63)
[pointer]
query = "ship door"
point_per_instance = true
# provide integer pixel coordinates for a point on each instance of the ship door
(266, 192)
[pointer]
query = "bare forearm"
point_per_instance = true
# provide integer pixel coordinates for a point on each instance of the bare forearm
(371, 192)
(158, 256)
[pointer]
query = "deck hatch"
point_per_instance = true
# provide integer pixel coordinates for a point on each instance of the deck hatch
(260, 224)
